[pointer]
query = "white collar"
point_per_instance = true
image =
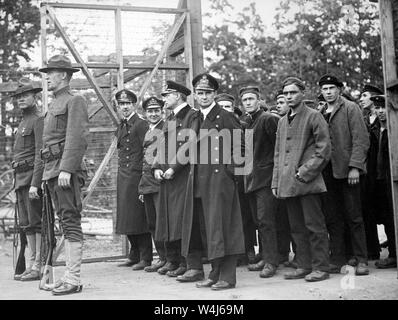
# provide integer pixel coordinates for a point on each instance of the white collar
(133, 113)
(207, 110)
(179, 108)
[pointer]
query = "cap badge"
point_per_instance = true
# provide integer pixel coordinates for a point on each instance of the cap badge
(204, 81)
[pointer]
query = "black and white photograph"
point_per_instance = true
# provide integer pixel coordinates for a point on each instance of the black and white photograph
(199, 156)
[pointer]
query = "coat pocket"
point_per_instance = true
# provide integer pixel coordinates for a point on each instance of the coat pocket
(60, 116)
(27, 137)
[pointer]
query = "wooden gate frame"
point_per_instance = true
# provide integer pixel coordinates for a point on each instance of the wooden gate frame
(391, 93)
(188, 17)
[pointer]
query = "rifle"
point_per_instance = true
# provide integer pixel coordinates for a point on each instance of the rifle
(47, 276)
(19, 265)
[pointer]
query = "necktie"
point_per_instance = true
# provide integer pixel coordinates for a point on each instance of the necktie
(124, 128)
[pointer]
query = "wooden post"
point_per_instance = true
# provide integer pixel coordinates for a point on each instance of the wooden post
(188, 57)
(119, 48)
(195, 10)
(391, 93)
(43, 43)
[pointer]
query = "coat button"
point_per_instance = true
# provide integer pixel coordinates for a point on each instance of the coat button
(128, 140)
(216, 170)
(216, 125)
(216, 148)
(128, 132)
(127, 148)
(218, 116)
(127, 157)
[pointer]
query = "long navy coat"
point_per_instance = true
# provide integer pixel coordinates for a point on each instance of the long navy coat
(130, 218)
(219, 192)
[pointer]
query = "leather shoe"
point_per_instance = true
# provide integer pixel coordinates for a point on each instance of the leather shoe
(19, 276)
(386, 263)
(177, 272)
(256, 267)
(191, 275)
(33, 275)
(127, 263)
(353, 262)
(334, 268)
(316, 275)
(141, 265)
(362, 269)
(268, 271)
(297, 274)
(155, 266)
(222, 285)
(169, 266)
(67, 288)
(205, 283)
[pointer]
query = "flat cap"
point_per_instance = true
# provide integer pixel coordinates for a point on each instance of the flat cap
(224, 97)
(378, 100)
(205, 81)
(152, 102)
(293, 80)
(249, 89)
(279, 93)
(25, 85)
(330, 79)
(125, 95)
(372, 88)
(59, 62)
(172, 86)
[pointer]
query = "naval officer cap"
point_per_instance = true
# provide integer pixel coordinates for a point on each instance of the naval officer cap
(224, 97)
(172, 86)
(372, 89)
(125, 96)
(330, 79)
(205, 81)
(152, 102)
(250, 89)
(378, 100)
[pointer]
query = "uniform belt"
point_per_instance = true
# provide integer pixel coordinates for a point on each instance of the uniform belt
(23, 165)
(52, 152)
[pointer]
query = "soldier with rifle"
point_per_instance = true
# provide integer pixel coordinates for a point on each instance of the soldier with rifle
(28, 170)
(64, 144)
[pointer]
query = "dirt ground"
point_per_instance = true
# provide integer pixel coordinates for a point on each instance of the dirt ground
(106, 281)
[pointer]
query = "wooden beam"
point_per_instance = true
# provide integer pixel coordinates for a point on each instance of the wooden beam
(195, 11)
(390, 75)
(43, 44)
(119, 50)
(176, 47)
(188, 57)
(162, 52)
(164, 66)
(102, 129)
(100, 171)
(78, 58)
(110, 7)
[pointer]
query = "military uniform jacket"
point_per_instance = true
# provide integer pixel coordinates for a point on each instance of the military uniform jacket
(148, 183)
(28, 142)
(172, 192)
(218, 190)
(302, 146)
(264, 126)
(349, 138)
(65, 131)
(130, 218)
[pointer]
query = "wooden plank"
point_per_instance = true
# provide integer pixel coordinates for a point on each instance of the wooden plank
(110, 7)
(162, 52)
(112, 58)
(164, 66)
(100, 171)
(43, 44)
(119, 50)
(188, 57)
(195, 11)
(102, 129)
(390, 75)
(78, 58)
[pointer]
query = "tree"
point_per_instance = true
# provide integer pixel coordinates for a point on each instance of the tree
(19, 30)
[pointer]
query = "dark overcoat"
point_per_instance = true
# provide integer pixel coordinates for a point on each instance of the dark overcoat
(130, 218)
(172, 192)
(148, 183)
(218, 190)
(264, 126)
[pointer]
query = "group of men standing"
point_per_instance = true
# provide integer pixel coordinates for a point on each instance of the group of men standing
(181, 186)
